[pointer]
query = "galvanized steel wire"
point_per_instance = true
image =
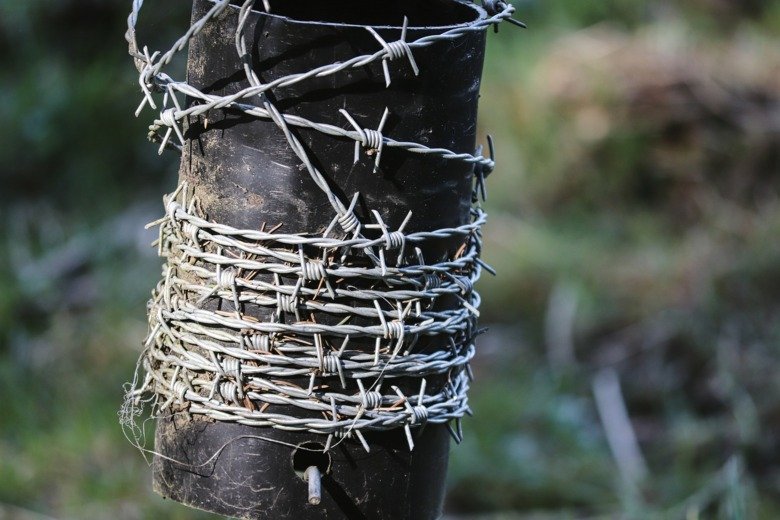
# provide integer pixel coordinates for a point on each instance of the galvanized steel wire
(204, 355)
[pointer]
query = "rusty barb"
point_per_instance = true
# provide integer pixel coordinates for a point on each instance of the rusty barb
(204, 355)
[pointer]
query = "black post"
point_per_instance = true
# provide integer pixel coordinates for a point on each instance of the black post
(246, 176)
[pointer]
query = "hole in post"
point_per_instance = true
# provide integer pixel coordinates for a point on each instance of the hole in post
(428, 13)
(310, 454)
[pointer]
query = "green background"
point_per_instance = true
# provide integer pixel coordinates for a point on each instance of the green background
(634, 219)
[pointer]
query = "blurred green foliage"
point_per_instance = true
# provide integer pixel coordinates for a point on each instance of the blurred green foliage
(634, 223)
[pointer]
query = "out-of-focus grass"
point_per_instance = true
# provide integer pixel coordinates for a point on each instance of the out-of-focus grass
(70, 343)
(634, 217)
(634, 207)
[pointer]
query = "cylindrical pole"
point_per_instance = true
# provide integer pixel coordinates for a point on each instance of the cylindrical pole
(245, 175)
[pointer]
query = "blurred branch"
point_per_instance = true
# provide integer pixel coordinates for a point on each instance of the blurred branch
(617, 426)
(559, 326)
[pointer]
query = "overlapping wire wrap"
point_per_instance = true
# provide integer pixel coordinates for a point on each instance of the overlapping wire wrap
(207, 354)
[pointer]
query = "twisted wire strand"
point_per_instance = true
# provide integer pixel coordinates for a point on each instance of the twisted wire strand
(151, 77)
(339, 319)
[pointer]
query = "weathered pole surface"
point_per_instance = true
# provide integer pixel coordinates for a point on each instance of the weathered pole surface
(245, 175)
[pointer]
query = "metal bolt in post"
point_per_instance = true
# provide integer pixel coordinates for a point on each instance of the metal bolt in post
(314, 479)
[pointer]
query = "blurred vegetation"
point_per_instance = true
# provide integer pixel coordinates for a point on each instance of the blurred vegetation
(634, 223)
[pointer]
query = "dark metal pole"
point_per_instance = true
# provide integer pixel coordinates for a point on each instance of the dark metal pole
(246, 176)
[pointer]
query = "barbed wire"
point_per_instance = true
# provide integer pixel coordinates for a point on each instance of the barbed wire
(206, 355)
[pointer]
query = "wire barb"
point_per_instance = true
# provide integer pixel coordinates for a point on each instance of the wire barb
(371, 139)
(395, 50)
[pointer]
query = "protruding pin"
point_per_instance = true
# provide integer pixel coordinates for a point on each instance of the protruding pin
(314, 478)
